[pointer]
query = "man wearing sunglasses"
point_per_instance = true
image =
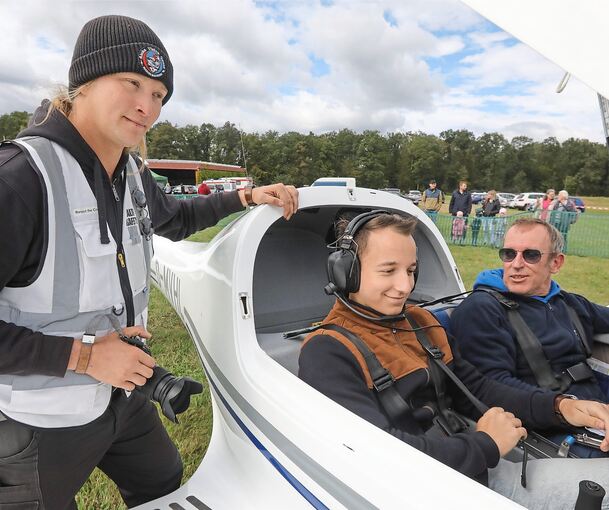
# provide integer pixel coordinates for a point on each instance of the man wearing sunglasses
(558, 325)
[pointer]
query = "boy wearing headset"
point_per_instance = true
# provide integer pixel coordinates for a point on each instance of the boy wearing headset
(372, 274)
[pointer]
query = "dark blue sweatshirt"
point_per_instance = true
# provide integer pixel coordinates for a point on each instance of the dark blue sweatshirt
(487, 340)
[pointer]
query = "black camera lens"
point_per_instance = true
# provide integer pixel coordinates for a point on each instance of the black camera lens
(172, 393)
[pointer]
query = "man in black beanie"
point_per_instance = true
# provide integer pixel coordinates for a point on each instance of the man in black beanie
(114, 44)
(74, 277)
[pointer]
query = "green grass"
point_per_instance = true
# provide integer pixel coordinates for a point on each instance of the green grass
(174, 350)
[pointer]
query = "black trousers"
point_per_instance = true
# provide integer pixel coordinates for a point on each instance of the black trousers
(45, 468)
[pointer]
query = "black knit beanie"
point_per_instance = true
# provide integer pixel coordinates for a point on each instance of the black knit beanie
(119, 44)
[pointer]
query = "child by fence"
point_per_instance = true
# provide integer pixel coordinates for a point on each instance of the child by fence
(459, 228)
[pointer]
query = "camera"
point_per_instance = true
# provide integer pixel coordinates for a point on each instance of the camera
(170, 392)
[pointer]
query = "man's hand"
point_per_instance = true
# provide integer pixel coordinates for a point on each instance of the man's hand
(117, 363)
(279, 195)
(586, 413)
(503, 427)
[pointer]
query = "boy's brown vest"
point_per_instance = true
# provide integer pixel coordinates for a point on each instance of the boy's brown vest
(398, 351)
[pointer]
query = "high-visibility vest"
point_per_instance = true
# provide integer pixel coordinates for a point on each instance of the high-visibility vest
(77, 281)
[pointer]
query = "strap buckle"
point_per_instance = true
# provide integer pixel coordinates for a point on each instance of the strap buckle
(88, 338)
(434, 351)
(383, 382)
(579, 372)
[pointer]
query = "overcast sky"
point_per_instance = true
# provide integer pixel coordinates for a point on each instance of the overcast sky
(401, 65)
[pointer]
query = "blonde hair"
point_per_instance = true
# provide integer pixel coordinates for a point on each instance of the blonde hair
(63, 102)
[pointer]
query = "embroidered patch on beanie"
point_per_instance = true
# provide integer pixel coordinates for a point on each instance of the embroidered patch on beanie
(152, 62)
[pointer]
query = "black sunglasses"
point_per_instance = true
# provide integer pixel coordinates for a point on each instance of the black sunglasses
(529, 255)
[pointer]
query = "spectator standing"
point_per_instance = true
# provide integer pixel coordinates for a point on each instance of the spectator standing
(461, 200)
(562, 214)
(432, 200)
(499, 227)
(167, 188)
(476, 224)
(490, 208)
(542, 205)
(203, 189)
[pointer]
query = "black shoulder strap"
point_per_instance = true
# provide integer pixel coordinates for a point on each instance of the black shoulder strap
(384, 383)
(435, 358)
(529, 343)
(579, 327)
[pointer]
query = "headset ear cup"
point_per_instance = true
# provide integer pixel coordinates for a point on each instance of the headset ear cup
(416, 277)
(353, 279)
(339, 267)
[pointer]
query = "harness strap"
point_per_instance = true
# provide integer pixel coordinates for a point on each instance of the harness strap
(530, 345)
(384, 383)
(435, 358)
(579, 330)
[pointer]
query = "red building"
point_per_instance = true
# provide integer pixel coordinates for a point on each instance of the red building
(180, 171)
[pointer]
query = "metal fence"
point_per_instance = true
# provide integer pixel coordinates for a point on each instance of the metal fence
(585, 234)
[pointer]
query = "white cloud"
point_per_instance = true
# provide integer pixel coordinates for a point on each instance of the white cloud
(236, 60)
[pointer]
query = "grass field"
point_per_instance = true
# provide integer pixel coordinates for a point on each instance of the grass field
(175, 351)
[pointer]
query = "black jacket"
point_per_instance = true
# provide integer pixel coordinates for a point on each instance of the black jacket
(482, 328)
(460, 202)
(23, 351)
(491, 207)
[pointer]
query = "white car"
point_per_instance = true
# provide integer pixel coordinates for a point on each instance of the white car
(505, 199)
(526, 201)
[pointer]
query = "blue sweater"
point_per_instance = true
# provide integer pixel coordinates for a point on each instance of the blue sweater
(487, 340)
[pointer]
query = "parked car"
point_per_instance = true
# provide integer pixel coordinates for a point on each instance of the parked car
(578, 203)
(505, 198)
(184, 189)
(414, 195)
(478, 196)
(526, 201)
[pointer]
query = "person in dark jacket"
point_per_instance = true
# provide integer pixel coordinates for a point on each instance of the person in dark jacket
(490, 208)
(78, 211)
(532, 255)
(461, 200)
(372, 305)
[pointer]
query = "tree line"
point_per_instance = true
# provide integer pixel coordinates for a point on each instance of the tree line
(405, 160)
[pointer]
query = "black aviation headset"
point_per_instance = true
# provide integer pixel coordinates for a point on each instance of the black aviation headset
(344, 268)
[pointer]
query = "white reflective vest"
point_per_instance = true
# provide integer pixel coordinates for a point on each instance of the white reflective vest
(78, 279)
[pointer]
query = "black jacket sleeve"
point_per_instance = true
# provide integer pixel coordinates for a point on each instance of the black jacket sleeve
(22, 351)
(534, 406)
(329, 367)
(177, 219)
